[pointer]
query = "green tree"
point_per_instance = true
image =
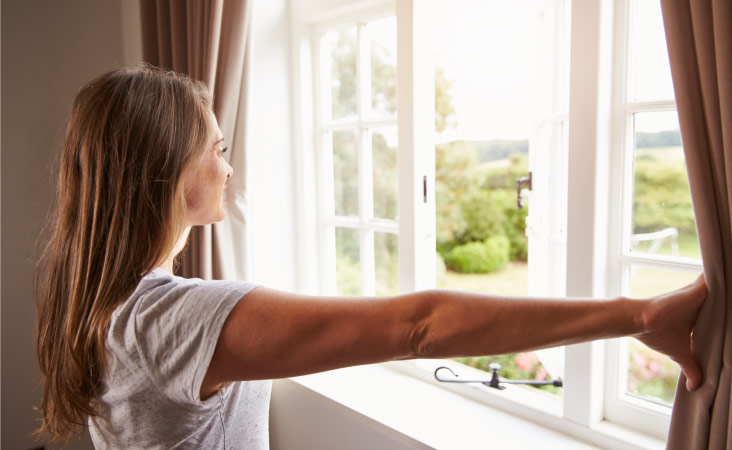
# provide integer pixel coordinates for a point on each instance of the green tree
(454, 179)
(482, 214)
(444, 109)
(343, 87)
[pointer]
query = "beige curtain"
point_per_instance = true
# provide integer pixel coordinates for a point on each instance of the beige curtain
(699, 36)
(207, 39)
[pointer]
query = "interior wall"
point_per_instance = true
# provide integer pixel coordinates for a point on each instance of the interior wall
(305, 420)
(50, 49)
(269, 148)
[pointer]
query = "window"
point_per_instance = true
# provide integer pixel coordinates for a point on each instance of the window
(366, 186)
(357, 135)
(598, 226)
(501, 117)
(655, 239)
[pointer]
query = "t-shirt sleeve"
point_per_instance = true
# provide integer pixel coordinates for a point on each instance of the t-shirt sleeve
(177, 326)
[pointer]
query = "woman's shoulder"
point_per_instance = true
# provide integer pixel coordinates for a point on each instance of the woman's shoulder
(162, 301)
(168, 328)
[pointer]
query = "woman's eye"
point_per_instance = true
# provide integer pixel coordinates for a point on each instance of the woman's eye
(223, 150)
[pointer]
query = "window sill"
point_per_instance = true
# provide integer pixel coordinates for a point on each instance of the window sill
(434, 417)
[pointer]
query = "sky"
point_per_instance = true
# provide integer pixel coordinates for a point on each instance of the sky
(487, 48)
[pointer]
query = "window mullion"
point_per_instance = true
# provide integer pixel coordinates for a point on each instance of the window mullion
(584, 362)
(416, 158)
(327, 214)
(637, 107)
(365, 170)
(368, 271)
(324, 146)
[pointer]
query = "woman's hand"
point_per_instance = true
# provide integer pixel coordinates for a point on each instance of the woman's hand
(668, 322)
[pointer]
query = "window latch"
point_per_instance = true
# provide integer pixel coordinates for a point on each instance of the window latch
(495, 382)
(523, 182)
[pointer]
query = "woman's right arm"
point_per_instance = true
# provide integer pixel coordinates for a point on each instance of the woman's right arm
(274, 334)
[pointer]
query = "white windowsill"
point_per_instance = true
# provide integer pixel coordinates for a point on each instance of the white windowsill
(439, 418)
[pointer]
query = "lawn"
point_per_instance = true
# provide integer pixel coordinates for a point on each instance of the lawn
(511, 280)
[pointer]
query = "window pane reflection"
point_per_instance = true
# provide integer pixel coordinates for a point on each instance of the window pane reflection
(382, 34)
(348, 261)
(345, 168)
(384, 148)
(386, 248)
(342, 46)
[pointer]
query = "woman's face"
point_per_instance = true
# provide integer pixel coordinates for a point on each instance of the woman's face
(204, 187)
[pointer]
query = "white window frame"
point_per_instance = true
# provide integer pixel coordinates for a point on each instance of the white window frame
(364, 223)
(592, 260)
(621, 408)
(415, 123)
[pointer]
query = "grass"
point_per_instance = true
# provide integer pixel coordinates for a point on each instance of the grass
(511, 280)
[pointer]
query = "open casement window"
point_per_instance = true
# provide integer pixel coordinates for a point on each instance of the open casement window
(364, 96)
(501, 163)
(373, 219)
(655, 239)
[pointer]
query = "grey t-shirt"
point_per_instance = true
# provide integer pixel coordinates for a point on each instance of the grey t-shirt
(159, 347)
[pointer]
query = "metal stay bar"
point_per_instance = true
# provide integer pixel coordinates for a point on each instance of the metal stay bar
(495, 381)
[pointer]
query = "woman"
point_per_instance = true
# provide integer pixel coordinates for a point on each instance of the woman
(149, 360)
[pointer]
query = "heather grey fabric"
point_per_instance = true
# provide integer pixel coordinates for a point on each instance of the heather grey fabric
(159, 347)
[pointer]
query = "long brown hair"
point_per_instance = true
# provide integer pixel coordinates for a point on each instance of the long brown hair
(131, 137)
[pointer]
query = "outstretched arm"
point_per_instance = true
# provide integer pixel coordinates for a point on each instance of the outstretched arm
(273, 334)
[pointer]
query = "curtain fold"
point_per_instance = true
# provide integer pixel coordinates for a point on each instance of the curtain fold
(208, 40)
(699, 38)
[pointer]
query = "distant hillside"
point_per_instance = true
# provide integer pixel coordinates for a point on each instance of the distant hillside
(498, 149)
(668, 138)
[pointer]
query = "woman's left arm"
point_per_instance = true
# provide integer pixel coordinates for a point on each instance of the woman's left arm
(274, 334)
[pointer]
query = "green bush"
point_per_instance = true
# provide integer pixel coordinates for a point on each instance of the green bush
(483, 217)
(479, 257)
(454, 179)
(476, 202)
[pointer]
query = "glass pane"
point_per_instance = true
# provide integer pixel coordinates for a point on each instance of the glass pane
(651, 375)
(650, 72)
(341, 46)
(663, 218)
(345, 173)
(384, 148)
(382, 34)
(348, 261)
(386, 247)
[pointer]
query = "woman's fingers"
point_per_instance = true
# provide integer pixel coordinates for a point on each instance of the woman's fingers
(669, 322)
(692, 372)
